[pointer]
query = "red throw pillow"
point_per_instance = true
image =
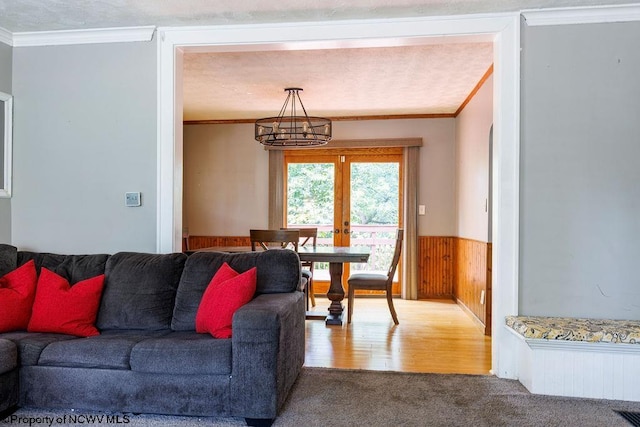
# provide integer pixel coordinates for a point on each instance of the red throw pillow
(17, 290)
(227, 292)
(65, 309)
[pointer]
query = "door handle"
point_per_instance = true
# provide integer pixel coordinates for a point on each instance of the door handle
(345, 231)
(346, 223)
(337, 231)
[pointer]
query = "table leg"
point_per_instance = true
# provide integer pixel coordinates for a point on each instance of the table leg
(335, 294)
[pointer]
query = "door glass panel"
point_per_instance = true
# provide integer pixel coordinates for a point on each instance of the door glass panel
(353, 198)
(374, 211)
(310, 203)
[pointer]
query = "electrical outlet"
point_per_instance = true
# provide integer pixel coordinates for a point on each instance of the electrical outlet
(132, 199)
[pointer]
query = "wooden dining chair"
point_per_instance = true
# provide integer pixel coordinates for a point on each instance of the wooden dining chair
(274, 239)
(376, 281)
(308, 236)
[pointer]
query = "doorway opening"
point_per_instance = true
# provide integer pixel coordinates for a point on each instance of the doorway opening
(502, 29)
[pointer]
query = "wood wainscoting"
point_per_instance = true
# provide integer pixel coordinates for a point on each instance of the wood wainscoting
(436, 267)
(200, 242)
(459, 269)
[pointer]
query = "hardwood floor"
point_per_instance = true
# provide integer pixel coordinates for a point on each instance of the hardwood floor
(433, 336)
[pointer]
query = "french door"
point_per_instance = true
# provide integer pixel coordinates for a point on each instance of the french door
(353, 196)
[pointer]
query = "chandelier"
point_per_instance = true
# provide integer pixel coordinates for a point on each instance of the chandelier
(290, 128)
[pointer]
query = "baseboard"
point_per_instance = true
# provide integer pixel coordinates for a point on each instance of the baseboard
(472, 315)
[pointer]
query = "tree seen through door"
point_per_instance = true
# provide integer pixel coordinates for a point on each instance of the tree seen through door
(352, 200)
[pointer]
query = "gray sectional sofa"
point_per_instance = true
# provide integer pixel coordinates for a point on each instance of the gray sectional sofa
(148, 357)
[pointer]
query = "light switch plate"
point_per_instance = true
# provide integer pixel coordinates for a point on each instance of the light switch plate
(132, 199)
(421, 209)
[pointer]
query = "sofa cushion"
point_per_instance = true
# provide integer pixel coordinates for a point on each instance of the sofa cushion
(65, 309)
(31, 344)
(17, 291)
(8, 356)
(139, 291)
(109, 350)
(278, 271)
(74, 268)
(187, 353)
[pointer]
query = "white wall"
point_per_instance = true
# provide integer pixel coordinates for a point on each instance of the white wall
(473, 126)
(5, 86)
(436, 185)
(84, 134)
(226, 174)
(579, 194)
(226, 180)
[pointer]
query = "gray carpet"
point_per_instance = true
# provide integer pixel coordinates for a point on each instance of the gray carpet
(328, 397)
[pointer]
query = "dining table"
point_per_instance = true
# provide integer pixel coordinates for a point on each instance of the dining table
(336, 256)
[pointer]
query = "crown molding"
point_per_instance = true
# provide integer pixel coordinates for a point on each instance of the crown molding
(586, 15)
(98, 35)
(6, 37)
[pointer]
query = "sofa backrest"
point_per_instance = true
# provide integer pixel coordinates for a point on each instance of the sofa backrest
(139, 290)
(158, 291)
(8, 258)
(278, 272)
(74, 268)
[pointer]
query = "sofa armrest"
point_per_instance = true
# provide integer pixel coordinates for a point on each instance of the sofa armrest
(268, 345)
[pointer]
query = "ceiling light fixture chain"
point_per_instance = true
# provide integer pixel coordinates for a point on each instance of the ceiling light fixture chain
(291, 129)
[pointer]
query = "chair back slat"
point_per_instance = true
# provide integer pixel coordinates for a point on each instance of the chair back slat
(266, 238)
(307, 235)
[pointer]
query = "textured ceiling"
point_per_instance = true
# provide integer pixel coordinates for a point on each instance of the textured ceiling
(429, 79)
(424, 79)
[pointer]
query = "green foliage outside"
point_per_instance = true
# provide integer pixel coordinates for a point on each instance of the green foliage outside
(310, 194)
(374, 193)
(374, 205)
